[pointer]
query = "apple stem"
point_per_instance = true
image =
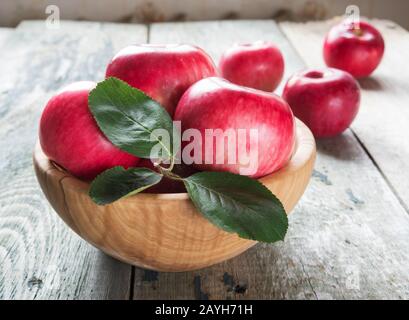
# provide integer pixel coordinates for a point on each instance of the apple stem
(173, 176)
(358, 31)
(168, 173)
(168, 169)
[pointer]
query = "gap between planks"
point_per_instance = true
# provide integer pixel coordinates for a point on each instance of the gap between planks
(359, 141)
(329, 233)
(382, 122)
(388, 182)
(272, 271)
(32, 237)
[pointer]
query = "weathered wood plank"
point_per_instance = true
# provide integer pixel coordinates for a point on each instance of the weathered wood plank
(4, 34)
(383, 120)
(40, 258)
(347, 237)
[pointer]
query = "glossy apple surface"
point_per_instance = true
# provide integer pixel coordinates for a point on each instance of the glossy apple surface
(258, 65)
(164, 72)
(215, 103)
(326, 100)
(357, 51)
(70, 136)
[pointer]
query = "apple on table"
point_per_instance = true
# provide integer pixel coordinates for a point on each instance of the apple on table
(326, 100)
(356, 48)
(258, 65)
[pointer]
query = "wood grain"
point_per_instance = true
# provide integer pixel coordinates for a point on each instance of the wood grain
(4, 34)
(348, 234)
(40, 258)
(382, 124)
(163, 231)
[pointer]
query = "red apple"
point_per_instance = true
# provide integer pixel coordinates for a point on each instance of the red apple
(258, 65)
(220, 105)
(355, 50)
(326, 100)
(164, 72)
(70, 136)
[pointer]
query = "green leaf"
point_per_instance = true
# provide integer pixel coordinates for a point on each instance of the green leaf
(128, 117)
(238, 204)
(116, 183)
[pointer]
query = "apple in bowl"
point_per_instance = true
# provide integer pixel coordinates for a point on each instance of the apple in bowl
(258, 65)
(164, 72)
(262, 120)
(70, 136)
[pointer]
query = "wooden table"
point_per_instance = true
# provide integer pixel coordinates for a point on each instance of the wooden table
(348, 236)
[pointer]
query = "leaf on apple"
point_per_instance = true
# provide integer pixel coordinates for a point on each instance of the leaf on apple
(129, 118)
(116, 183)
(238, 204)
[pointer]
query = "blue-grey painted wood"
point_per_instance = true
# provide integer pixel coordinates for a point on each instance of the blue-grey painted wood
(382, 123)
(4, 34)
(40, 258)
(347, 237)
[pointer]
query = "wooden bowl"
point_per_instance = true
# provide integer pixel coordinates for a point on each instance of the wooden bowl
(163, 232)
